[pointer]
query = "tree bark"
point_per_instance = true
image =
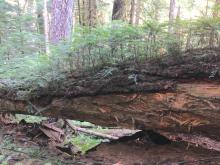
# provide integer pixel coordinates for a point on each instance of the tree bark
(137, 20)
(79, 12)
(119, 10)
(92, 13)
(132, 12)
(171, 15)
(175, 95)
(62, 20)
(46, 28)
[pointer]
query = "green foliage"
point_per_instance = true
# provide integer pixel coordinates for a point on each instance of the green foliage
(153, 8)
(116, 42)
(29, 119)
(18, 34)
(111, 44)
(22, 54)
(85, 143)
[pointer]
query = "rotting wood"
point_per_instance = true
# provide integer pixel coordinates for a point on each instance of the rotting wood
(172, 94)
(196, 140)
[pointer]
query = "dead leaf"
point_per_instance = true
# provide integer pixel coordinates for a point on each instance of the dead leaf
(54, 133)
(7, 119)
(70, 149)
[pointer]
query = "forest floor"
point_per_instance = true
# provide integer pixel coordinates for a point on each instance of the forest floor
(24, 143)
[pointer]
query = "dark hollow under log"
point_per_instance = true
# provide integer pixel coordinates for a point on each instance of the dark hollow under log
(174, 94)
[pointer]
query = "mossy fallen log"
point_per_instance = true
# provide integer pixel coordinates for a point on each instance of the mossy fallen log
(175, 94)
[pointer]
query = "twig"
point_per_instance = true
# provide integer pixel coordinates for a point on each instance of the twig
(75, 128)
(37, 111)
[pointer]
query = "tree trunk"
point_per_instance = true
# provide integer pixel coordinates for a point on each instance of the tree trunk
(46, 28)
(138, 11)
(171, 15)
(84, 13)
(179, 96)
(40, 18)
(207, 8)
(132, 12)
(92, 7)
(119, 10)
(61, 20)
(79, 12)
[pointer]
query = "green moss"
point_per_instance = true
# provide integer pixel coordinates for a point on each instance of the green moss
(29, 118)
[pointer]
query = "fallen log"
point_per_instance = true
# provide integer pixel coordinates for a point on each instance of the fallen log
(174, 94)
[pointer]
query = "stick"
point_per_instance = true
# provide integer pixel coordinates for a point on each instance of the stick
(201, 141)
(91, 132)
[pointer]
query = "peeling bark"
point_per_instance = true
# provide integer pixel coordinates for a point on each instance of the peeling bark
(61, 21)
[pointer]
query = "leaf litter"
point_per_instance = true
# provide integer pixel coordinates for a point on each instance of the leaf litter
(31, 140)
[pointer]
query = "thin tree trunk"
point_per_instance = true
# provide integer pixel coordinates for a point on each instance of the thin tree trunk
(171, 15)
(84, 13)
(40, 18)
(207, 7)
(138, 6)
(79, 12)
(92, 8)
(46, 28)
(132, 12)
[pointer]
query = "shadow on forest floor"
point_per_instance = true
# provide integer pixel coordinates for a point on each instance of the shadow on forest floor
(23, 143)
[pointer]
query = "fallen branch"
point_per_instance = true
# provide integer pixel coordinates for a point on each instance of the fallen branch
(105, 136)
(197, 140)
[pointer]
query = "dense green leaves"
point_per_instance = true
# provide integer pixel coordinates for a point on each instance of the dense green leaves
(22, 47)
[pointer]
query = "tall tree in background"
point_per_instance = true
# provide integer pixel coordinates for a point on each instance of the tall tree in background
(171, 15)
(46, 27)
(40, 17)
(87, 12)
(79, 12)
(138, 11)
(119, 10)
(135, 11)
(92, 17)
(61, 20)
(207, 8)
(132, 12)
